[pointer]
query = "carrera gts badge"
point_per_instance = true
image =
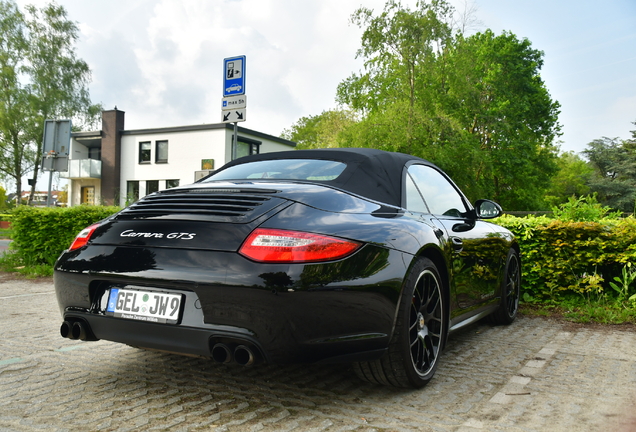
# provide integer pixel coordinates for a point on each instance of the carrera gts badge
(174, 235)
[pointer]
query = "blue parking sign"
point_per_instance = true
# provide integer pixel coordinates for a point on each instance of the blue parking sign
(234, 76)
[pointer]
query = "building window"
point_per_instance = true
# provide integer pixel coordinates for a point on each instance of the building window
(144, 152)
(132, 191)
(152, 186)
(247, 146)
(171, 183)
(161, 152)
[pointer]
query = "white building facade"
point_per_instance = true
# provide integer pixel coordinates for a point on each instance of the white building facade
(118, 166)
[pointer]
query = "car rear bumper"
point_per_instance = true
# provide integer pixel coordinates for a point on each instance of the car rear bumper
(341, 311)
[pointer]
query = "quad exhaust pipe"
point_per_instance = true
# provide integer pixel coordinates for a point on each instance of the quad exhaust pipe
(221, 353)
(66, 329)
(243, 355)
(76, 330)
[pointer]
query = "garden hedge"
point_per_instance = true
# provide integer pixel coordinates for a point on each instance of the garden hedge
(560, 257)
(41, 234)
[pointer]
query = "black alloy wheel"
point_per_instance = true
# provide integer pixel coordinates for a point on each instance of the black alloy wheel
(425, 323)
(418, 339)
(510, 290)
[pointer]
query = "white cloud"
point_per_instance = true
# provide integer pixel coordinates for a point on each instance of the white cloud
(161, 60)
(297, 53)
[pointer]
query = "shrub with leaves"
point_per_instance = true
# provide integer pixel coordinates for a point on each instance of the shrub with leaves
(41, 234)
(584, 209)
(625, 285)
(560, 257)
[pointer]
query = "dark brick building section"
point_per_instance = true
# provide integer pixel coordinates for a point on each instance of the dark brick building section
(112, 127)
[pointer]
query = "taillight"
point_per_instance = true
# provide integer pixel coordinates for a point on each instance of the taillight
(83, 237)
(282, 246)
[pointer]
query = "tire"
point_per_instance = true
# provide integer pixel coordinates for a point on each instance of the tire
(510, 288)
(419, 335)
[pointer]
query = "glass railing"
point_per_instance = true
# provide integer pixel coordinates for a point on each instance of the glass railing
(83, 168)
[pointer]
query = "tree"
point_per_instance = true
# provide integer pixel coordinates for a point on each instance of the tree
(494, 90)
(4, 205)
(16, 118)
(400, 47)
(571, 179)
(62, 197)
(59, 79)
(476, 105)
(320, 131)
(614, 178)
(42, 79)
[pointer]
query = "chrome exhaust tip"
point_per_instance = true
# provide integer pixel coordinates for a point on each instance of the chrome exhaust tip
(244, 356)
(221, 353)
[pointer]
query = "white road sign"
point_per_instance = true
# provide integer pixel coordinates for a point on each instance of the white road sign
(234, 115)
(233, 102)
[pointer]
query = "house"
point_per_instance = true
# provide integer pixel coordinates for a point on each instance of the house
(115, 166)
(39, 197)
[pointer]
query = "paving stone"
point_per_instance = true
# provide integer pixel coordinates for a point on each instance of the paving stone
(534, 375)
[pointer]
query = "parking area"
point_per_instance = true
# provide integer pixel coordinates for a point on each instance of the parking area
(535, 375)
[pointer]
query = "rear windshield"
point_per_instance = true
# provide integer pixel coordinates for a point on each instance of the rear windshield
(285, 169)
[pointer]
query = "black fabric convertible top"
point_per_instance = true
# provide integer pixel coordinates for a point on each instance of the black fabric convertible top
(370, 173)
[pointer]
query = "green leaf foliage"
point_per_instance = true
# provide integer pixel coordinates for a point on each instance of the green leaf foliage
(566, 257)
(320, 131)
(474, 105)
(584, 209)
(41, 78)
(614, 177)
(41, 234)
(571, 179)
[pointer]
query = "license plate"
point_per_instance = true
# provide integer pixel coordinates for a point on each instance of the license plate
(150, 306)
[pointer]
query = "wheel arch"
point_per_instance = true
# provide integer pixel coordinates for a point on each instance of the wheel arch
(517, 248)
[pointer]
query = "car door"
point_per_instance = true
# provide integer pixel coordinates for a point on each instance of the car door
(474, 264)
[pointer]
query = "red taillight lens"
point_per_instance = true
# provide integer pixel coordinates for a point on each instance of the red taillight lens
(282, 246)
(83, 237)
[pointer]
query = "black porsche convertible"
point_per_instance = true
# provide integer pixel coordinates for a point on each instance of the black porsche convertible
(334, 255)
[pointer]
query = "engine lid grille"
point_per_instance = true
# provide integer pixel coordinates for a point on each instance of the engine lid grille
(223, 204)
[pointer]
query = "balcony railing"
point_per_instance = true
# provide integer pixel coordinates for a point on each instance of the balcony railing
(83, 168)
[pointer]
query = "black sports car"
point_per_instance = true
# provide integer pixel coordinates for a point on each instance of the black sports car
(339, 255)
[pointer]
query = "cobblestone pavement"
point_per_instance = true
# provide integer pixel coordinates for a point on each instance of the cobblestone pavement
(535, 375)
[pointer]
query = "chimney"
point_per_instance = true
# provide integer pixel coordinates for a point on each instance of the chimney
(112, 127)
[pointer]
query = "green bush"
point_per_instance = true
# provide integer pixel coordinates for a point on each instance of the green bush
(41, 234)
(584, 209)
(565, 257)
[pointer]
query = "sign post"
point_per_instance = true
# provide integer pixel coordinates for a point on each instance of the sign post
(234, 102)
(56, 146)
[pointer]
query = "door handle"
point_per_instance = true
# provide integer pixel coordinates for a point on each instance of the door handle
(458, 244)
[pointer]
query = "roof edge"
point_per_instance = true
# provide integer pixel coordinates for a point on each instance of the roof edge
(208, 126)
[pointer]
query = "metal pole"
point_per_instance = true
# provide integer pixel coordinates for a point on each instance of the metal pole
(48, 199)
(235, 141)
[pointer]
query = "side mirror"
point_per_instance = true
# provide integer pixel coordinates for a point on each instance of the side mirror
(486, 209)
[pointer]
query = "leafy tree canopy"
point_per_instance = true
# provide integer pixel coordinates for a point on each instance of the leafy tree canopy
(320, 131)
(571, 179)
(614, 177)
(474, 105)
(40, 78)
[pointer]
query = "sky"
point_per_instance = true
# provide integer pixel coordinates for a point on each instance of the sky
(161, 61)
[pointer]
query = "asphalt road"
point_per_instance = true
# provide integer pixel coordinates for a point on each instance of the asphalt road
(535, 375)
